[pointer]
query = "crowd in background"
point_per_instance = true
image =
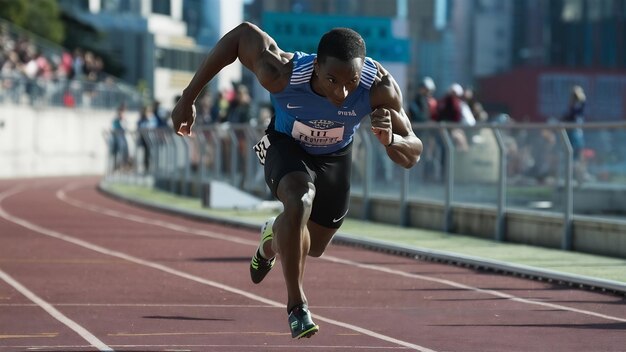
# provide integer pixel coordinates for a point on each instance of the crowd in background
(531, 156)
(231, 106)
(29, 74)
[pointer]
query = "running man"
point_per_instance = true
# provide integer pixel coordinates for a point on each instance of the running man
(319, 101)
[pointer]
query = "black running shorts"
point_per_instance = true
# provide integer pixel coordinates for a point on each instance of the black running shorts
(330, 173)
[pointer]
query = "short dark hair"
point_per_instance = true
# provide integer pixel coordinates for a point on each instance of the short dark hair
(344, 44)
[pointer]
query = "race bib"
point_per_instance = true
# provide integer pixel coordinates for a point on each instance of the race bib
(321, 134)
(261, 149)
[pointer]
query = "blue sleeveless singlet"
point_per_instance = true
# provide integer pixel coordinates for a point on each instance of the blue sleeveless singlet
(312, 120)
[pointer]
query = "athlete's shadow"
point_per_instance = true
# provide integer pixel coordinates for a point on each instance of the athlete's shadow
(180, 317)
(221, 259)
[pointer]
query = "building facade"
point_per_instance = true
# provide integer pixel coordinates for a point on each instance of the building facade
(152, 40)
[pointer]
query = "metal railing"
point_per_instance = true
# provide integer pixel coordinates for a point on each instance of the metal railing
(42, 92)
(501, 166)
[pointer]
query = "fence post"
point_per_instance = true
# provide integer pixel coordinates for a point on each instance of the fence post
(449, 153)
(234, 154)
(216, 137)
(369, 169)
(201, 144)
(501, 215)
(404, 199)
(186, 172)
(568, 199)
(170, 161)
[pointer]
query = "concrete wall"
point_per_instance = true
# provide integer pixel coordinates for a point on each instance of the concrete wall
(53, 141)
(590, 234)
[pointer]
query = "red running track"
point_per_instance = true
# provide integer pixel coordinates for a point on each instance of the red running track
(82, 272)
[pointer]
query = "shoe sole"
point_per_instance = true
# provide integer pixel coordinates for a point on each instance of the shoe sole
(308, 333)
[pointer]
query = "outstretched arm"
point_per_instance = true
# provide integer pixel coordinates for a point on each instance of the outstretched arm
(390, 123)
(256, 50)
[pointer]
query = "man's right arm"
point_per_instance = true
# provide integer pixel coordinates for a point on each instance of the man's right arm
(256, 50)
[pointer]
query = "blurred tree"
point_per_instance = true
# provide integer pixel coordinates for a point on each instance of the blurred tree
(42, 17)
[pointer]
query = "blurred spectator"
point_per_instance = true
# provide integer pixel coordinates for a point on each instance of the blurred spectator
(92, 67)
(576, 114)
(78, 64)
(450, 105)
(239, 112)
(220, 107)
(239, 109)
(423, 107)
(145, 124)
(159, 114)
(204, 110)
(475, 106)
(10, 71)
(119, 145)
(64, 68)
(453, 109)
(32, 71)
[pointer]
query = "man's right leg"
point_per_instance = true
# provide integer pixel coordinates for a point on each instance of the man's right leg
(291, 182)
(291, 236)
(291, 240)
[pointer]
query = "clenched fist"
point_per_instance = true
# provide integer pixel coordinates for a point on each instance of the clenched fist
(381, 125)
(183, 117)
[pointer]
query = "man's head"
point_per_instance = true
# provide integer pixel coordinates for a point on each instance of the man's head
(341, 43)
(340, 58)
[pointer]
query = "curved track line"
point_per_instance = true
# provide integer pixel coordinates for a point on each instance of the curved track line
(163, 268)
(84, 333)
(77, 203)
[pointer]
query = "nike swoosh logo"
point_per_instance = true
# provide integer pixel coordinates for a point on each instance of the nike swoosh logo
(289, 106)
(341, 217)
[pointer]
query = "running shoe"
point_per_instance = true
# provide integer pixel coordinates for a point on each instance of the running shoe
(301, 323)
(259, 266)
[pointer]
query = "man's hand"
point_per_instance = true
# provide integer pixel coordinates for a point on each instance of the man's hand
(381, 125)
(183, 117)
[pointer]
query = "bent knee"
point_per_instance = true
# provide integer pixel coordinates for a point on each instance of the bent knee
(300, 198)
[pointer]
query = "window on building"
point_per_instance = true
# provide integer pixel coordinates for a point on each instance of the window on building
(182, 60)
(163, 7)
(111, 5)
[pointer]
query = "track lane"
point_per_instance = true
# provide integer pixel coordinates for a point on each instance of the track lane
(52, 220)
(426, 310)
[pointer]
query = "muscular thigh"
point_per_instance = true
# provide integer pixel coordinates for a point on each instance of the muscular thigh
(332, 194)
(329, 173)
(284, 157)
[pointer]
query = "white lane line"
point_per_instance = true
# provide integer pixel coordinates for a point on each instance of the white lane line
(89, 337)
(145, 305)
(471, 288)
(77, 203)
(157, 266)
(68, 348)
(140, 219)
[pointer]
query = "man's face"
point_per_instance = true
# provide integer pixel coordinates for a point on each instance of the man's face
(336, 79)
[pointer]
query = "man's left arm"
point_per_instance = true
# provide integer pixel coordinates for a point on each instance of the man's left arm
(391, 125)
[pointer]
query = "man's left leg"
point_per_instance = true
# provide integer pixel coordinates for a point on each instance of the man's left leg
(320, 238)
